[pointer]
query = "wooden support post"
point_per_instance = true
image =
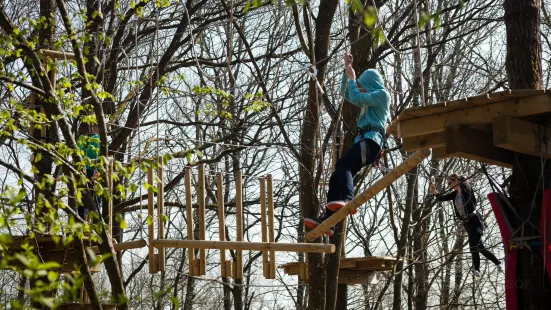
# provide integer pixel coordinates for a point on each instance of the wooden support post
(245, 245)
(110, 197)
(264, 228)
(432, 140)
(189, 214)
(161, 214)
(465, 142)
(271, 236)
(151, 227)
(221, 221)
(355, 203)
(201, 217)
(239, 215)
(521, 136)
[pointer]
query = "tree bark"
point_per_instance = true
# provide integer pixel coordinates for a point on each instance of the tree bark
(524, 71)
(309, 137)
(44, 166)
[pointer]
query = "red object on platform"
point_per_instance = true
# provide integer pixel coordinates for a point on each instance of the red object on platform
(545, 227)
(511, 296)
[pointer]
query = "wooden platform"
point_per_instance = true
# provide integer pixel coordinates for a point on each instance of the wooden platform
(49, 251)
(487, 128)
(359, 270)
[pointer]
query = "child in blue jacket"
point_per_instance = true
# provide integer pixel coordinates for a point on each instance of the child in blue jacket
(90, 146)
(374, 101)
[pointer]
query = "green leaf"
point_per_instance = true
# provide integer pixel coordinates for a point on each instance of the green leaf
(175, 301)
(370, 18)
(247, 6)
(5, 239)
(123, 224)
(436, 18)
(49, 265)
(52, 275)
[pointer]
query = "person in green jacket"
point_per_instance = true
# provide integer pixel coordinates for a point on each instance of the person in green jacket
(374, 101)
(90, 146)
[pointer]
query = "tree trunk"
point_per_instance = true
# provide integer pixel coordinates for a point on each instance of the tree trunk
(309, 133)
(523, 61)
(524, 71)
(44, 166)
(227, 294)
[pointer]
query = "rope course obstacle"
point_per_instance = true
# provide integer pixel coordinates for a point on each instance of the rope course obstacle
(268, 246)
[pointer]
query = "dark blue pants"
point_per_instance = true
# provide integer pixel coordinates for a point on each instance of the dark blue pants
(82, 210)
(474, 227)
(341, 185)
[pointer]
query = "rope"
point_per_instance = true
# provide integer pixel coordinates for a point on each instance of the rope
(138, 103)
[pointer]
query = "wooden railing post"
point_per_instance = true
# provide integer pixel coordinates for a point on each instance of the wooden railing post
(264, 228)
(271, 235)
(161, 215)
(151, 223)
(201, 216)
(239, 221)
(189, 214)
(221, 222)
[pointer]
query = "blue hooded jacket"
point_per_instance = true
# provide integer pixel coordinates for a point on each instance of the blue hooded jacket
(374, 104)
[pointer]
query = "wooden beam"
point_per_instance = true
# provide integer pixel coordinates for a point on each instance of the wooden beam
(150, 215)
(432, 140)
(58, 54)
(474, 144)
(239, 223)
(189, 215)
(245, 245)
(521, 136)
(221, 222)
(271, 229)
(369, 193)
(161, 214)
(202, 223)
(264, 227)
(482, 114)
(110, 197)
(129, 245)
(355, 277)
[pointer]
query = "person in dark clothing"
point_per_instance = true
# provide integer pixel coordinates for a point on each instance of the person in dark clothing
(464, 202)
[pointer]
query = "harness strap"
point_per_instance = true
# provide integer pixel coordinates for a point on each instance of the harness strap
(363, 150)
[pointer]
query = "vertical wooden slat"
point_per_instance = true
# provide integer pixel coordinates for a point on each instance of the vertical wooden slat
(110, 196)
(150, 228)
(265, 267)
(239, 214)
(221, 222)
(189, 215)
(201, 215)
(161, 214)
(271, 236)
